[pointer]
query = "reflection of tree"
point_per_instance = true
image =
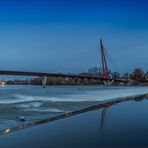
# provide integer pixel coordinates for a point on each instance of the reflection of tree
(139, 99)
(146, 97)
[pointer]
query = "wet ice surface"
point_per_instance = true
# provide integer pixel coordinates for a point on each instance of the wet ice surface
(34, 102)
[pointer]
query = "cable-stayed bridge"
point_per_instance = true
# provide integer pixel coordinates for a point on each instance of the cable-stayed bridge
(105, 73)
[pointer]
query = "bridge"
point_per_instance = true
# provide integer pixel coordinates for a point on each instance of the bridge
(105, 78)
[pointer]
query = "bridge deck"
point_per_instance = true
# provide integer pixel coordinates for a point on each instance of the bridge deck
(42, 74)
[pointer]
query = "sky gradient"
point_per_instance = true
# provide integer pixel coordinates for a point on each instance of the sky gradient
(63, 36)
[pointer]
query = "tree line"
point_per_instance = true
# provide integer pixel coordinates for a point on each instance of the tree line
(137, 75)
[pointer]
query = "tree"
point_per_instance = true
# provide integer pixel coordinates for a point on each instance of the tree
(137, 75)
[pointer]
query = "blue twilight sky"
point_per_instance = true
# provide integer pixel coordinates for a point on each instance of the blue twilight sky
(63, 36)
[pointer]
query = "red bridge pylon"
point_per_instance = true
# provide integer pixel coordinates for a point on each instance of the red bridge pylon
(104, 63)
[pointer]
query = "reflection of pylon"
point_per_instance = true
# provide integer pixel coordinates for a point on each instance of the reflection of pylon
(102, 118)
(104, 63)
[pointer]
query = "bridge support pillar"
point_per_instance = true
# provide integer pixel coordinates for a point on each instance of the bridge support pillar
(108, 82)
(44, 81)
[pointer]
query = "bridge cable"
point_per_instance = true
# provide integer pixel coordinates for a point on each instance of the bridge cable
(77, 58)
(112, 62)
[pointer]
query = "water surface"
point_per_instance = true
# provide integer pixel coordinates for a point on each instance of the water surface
(121, 124)
(34, 102)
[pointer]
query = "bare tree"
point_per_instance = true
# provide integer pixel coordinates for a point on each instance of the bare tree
(137, 75)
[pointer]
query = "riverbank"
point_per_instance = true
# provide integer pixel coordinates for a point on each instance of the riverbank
(119, 122)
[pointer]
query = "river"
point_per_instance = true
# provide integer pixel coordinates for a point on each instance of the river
(34, 102)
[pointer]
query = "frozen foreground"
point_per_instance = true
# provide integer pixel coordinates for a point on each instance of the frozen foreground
(34, 102)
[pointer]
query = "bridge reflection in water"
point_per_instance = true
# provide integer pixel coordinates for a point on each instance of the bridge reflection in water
(102, 117)
(104, 106)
